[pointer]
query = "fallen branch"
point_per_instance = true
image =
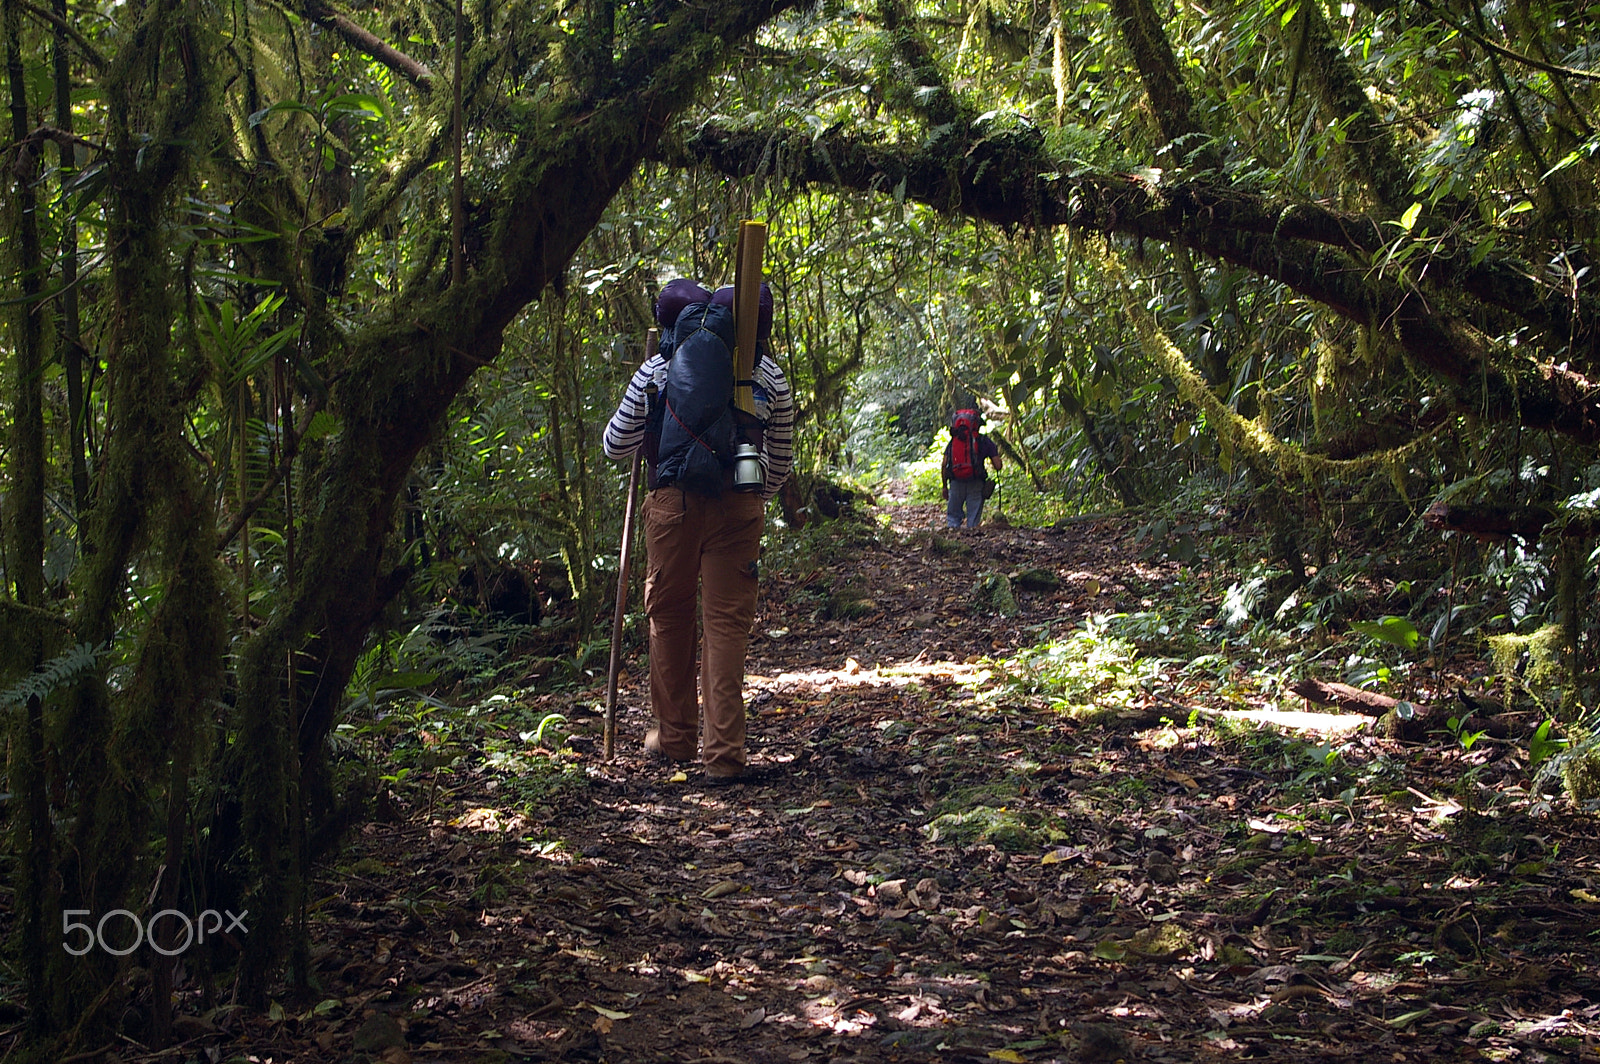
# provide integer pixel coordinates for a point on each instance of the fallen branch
(1355, 699)
(1490, 521)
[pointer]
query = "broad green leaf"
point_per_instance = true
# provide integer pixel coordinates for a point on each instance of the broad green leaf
(354, 103)
(281, 107)
(1396, 631)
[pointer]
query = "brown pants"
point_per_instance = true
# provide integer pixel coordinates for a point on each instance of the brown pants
(713, 543)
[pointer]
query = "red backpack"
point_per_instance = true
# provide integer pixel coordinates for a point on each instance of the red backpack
(966, 463)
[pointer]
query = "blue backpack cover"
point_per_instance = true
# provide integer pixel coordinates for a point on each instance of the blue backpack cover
(697, 423)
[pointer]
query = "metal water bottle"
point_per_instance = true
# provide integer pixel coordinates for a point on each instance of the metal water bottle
(747, 474)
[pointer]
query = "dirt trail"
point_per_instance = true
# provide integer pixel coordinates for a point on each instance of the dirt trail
(930, 872)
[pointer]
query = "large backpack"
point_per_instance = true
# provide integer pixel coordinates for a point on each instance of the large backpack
(966, 459)
(697, 423)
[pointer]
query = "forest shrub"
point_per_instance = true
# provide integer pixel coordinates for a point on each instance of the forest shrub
(1087, 671)
(1580, 769)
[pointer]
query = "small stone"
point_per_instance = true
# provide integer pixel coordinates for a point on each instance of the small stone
(1161, 871)
(1036, 580)
(378, 1032)
(1099, 1041)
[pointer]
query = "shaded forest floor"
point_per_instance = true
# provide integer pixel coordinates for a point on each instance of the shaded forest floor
(937, 865)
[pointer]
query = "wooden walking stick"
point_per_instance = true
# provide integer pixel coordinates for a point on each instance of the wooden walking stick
(624, 559)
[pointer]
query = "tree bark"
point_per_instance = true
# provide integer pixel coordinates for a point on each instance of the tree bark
(25, 501)
(1189, 144)
(1488, 520)
(25, 532)
(1341, 99)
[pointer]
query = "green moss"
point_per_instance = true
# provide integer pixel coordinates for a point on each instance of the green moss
(1001, 828)
(939, 546)
(1036, 580)
(1234, 956)
(1545, 650)
(1580, 772)
(992, 594)
(849, 606)
(1162, 940)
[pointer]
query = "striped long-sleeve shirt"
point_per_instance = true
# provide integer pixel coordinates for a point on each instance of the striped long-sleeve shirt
(626, 431)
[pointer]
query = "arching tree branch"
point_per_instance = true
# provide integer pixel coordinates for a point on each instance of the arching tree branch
(1325, 256)
(370, 44)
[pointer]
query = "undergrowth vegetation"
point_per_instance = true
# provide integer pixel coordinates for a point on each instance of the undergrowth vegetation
(1134, 666)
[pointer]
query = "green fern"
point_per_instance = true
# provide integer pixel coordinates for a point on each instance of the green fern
(59, 671)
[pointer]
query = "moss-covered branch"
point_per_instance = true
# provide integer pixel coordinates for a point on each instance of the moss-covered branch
(1007, 178)
(369, 43)
(1239, 434)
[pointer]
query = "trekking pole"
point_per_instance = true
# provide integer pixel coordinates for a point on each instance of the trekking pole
(624, 560)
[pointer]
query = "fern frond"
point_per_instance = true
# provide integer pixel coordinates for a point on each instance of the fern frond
(59, 671)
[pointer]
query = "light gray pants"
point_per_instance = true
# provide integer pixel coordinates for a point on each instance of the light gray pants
(966, 498)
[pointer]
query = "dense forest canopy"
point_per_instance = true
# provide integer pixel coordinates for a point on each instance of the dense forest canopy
(315, 312)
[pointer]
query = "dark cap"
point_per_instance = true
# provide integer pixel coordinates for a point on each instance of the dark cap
(724, 297)
(674, 297)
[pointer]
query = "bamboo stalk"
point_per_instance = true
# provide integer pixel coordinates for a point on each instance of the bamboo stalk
(747, 309)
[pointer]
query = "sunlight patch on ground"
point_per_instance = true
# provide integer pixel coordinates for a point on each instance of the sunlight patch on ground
(855, 674)
(1294, 720)
(484, 818)
(976, 673)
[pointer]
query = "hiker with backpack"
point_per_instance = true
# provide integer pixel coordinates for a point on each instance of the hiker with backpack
(711, 469)
(964, 482)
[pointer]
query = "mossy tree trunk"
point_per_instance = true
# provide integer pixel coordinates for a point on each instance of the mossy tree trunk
(123, 752)
(390, 391)
(1312, 54)
(195, 679)
(25, 516)
(25, 529)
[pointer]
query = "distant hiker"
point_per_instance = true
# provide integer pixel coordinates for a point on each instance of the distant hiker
(964, 482)
(702, 527)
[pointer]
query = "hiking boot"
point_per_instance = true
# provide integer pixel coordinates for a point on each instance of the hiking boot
(755, 775)
(653, 751)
